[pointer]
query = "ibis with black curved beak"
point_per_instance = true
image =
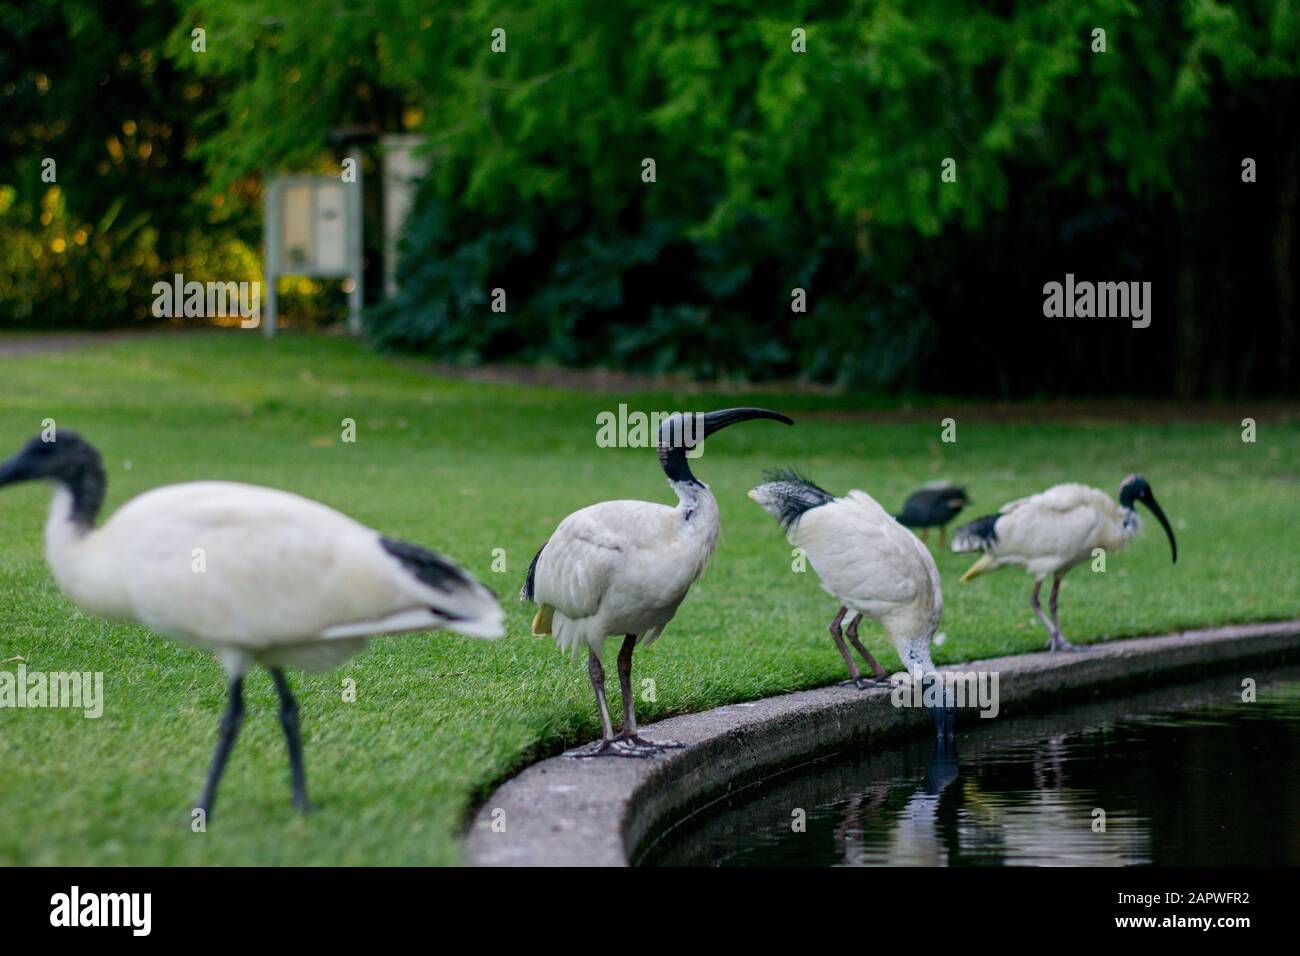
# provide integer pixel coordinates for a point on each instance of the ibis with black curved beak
(254, 575)
(1051, 532)
(622, 568)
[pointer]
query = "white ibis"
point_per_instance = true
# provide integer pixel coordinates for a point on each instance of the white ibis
(1051, 532)
(933, 505)
(624, 567)
(871, 564)
(255, 575)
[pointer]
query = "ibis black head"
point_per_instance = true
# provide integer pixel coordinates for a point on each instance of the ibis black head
(680, 433)
(67, 459)
(1135, 488)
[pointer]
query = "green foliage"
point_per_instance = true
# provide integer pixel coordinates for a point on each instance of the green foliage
(775, 169)
(86, 84)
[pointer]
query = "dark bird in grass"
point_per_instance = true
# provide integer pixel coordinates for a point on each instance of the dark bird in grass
(933, 505)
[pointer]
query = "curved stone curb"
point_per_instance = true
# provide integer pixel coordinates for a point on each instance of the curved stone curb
(565, 812)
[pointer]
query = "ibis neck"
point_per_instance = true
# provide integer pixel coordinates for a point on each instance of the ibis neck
(84, 496)
(70, 517)
(675, 465)
(93, 578)
(698, 527)
(696, 500)
(915, 654)
(63, 532)
(76, 505)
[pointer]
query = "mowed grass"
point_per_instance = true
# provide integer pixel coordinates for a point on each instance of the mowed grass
(468, 468)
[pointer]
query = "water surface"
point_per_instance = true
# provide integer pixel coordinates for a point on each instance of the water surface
(1187, 776)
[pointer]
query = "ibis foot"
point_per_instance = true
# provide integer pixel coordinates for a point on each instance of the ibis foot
(866, 683)
(659, 745)
(1058, 643)
(617, 747)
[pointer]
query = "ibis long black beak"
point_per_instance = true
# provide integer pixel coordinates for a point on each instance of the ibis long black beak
(716, 421)
(13, 470)
(681, 432)
(1150, 501)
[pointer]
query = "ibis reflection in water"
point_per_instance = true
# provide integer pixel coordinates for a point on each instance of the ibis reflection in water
(1183, 776)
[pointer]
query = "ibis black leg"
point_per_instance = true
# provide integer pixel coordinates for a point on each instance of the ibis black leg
(597, 675)
(607, 746)
(625, 684)
(1061, 643)
(227, 731)
(629, 703)
(1038, 609)
(1055, 642)
(855, 676)
(293, 737)
(852, 634)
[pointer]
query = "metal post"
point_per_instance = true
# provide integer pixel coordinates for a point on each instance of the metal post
(356, 247)
(272, 212)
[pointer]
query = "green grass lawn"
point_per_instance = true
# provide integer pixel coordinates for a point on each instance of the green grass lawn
(467, 468)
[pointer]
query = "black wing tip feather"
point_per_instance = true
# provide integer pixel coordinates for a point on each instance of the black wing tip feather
(430, 568)
(527, 591)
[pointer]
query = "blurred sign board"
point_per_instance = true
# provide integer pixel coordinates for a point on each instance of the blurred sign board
(313, 228)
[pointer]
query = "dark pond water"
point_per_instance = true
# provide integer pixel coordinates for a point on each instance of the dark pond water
(1187, 776)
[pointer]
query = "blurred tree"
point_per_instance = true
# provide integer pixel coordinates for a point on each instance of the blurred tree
(99, 197)
(811, 161)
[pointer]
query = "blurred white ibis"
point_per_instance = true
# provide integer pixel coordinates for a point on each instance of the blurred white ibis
(624, 567)
(871, 564)
(1051, 532)
(933, 505)
(255, 575)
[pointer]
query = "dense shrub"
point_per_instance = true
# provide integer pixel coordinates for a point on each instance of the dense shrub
(800, 149)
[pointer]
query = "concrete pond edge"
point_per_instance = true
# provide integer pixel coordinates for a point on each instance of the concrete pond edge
(601, 812)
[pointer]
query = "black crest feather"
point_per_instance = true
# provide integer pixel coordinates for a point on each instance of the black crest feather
(978, 535)
(794, 494)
